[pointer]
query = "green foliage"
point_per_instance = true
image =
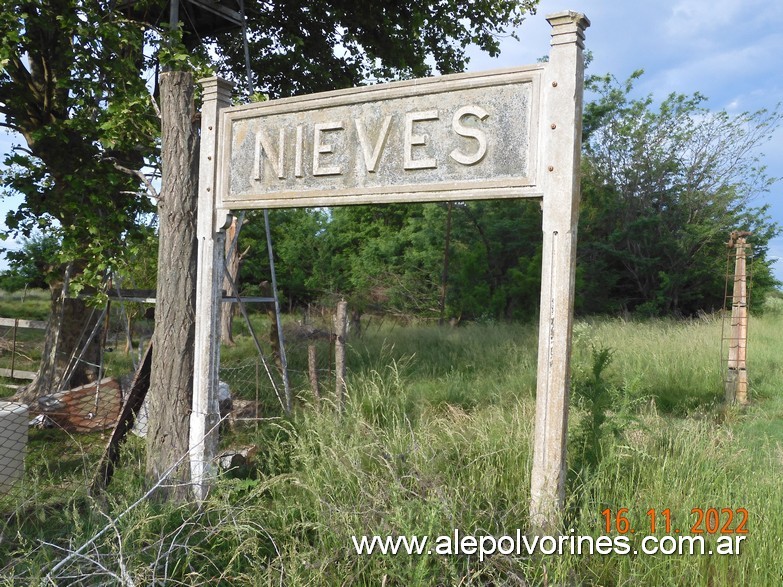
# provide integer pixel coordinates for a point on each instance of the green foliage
(72, 87)
(302, 47)
(383, 258)
(663, 187)
(496, 260)
(774, 302)
(593, 394)
(391, 258)
(32, 264)
(663, 183)
(296, 237)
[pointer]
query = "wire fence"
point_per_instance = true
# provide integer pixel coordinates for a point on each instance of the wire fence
(256, 382)
(251, 388)
(21, 342)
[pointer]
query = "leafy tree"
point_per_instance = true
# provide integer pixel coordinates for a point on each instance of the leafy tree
(297, 235)
(496, 262)
(390, 258)
(308, 46)
(71, 86)
(663, 186)
(366, 258)
(31, 264)
(314, 46)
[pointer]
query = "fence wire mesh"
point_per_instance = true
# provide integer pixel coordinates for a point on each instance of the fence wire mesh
(21, 342)
(86, 538)
(13, 444)
(97, 550)
(255, 379)
(252, 380)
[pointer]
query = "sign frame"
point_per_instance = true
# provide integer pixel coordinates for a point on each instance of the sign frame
(556, 161)
(443, 190)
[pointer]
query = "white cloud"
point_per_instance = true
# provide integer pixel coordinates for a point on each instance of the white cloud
(690, 18)
(716, 20)
(713, 73)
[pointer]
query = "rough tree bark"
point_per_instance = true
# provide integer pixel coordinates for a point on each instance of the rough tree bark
(171, 380)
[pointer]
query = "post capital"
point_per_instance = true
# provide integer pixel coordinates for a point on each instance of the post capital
(568, 27)
(217, 88)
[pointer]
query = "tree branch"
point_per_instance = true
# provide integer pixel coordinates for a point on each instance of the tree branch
(151, 191)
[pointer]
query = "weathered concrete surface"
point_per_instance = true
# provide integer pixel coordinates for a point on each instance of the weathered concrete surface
(467, 136)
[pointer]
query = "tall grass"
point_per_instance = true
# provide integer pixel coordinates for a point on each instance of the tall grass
(436, 436)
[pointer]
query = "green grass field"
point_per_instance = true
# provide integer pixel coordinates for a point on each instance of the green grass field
(435, 437)
(23, 353)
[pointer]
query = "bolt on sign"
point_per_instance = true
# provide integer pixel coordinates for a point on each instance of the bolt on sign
(502, 134)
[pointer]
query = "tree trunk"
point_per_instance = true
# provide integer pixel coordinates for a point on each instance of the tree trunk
(171, 380)
(128, 334)
(70, 324)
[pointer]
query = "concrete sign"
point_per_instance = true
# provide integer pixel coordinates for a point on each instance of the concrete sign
(450, 138)
(511, 133)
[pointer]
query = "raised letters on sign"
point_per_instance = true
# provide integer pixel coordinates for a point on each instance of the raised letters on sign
(269, 156)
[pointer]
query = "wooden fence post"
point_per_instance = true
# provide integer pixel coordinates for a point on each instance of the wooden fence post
(340, 327)
(312, 369)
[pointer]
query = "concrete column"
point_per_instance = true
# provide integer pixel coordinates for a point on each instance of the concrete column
(560, 139)
(211, 243)
(737, 376)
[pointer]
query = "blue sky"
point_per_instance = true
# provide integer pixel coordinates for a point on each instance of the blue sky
(724, 49)
(727, 50)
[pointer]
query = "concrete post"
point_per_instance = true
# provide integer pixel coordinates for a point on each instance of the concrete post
(737, 377)
(560, 138)
(211, 244)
